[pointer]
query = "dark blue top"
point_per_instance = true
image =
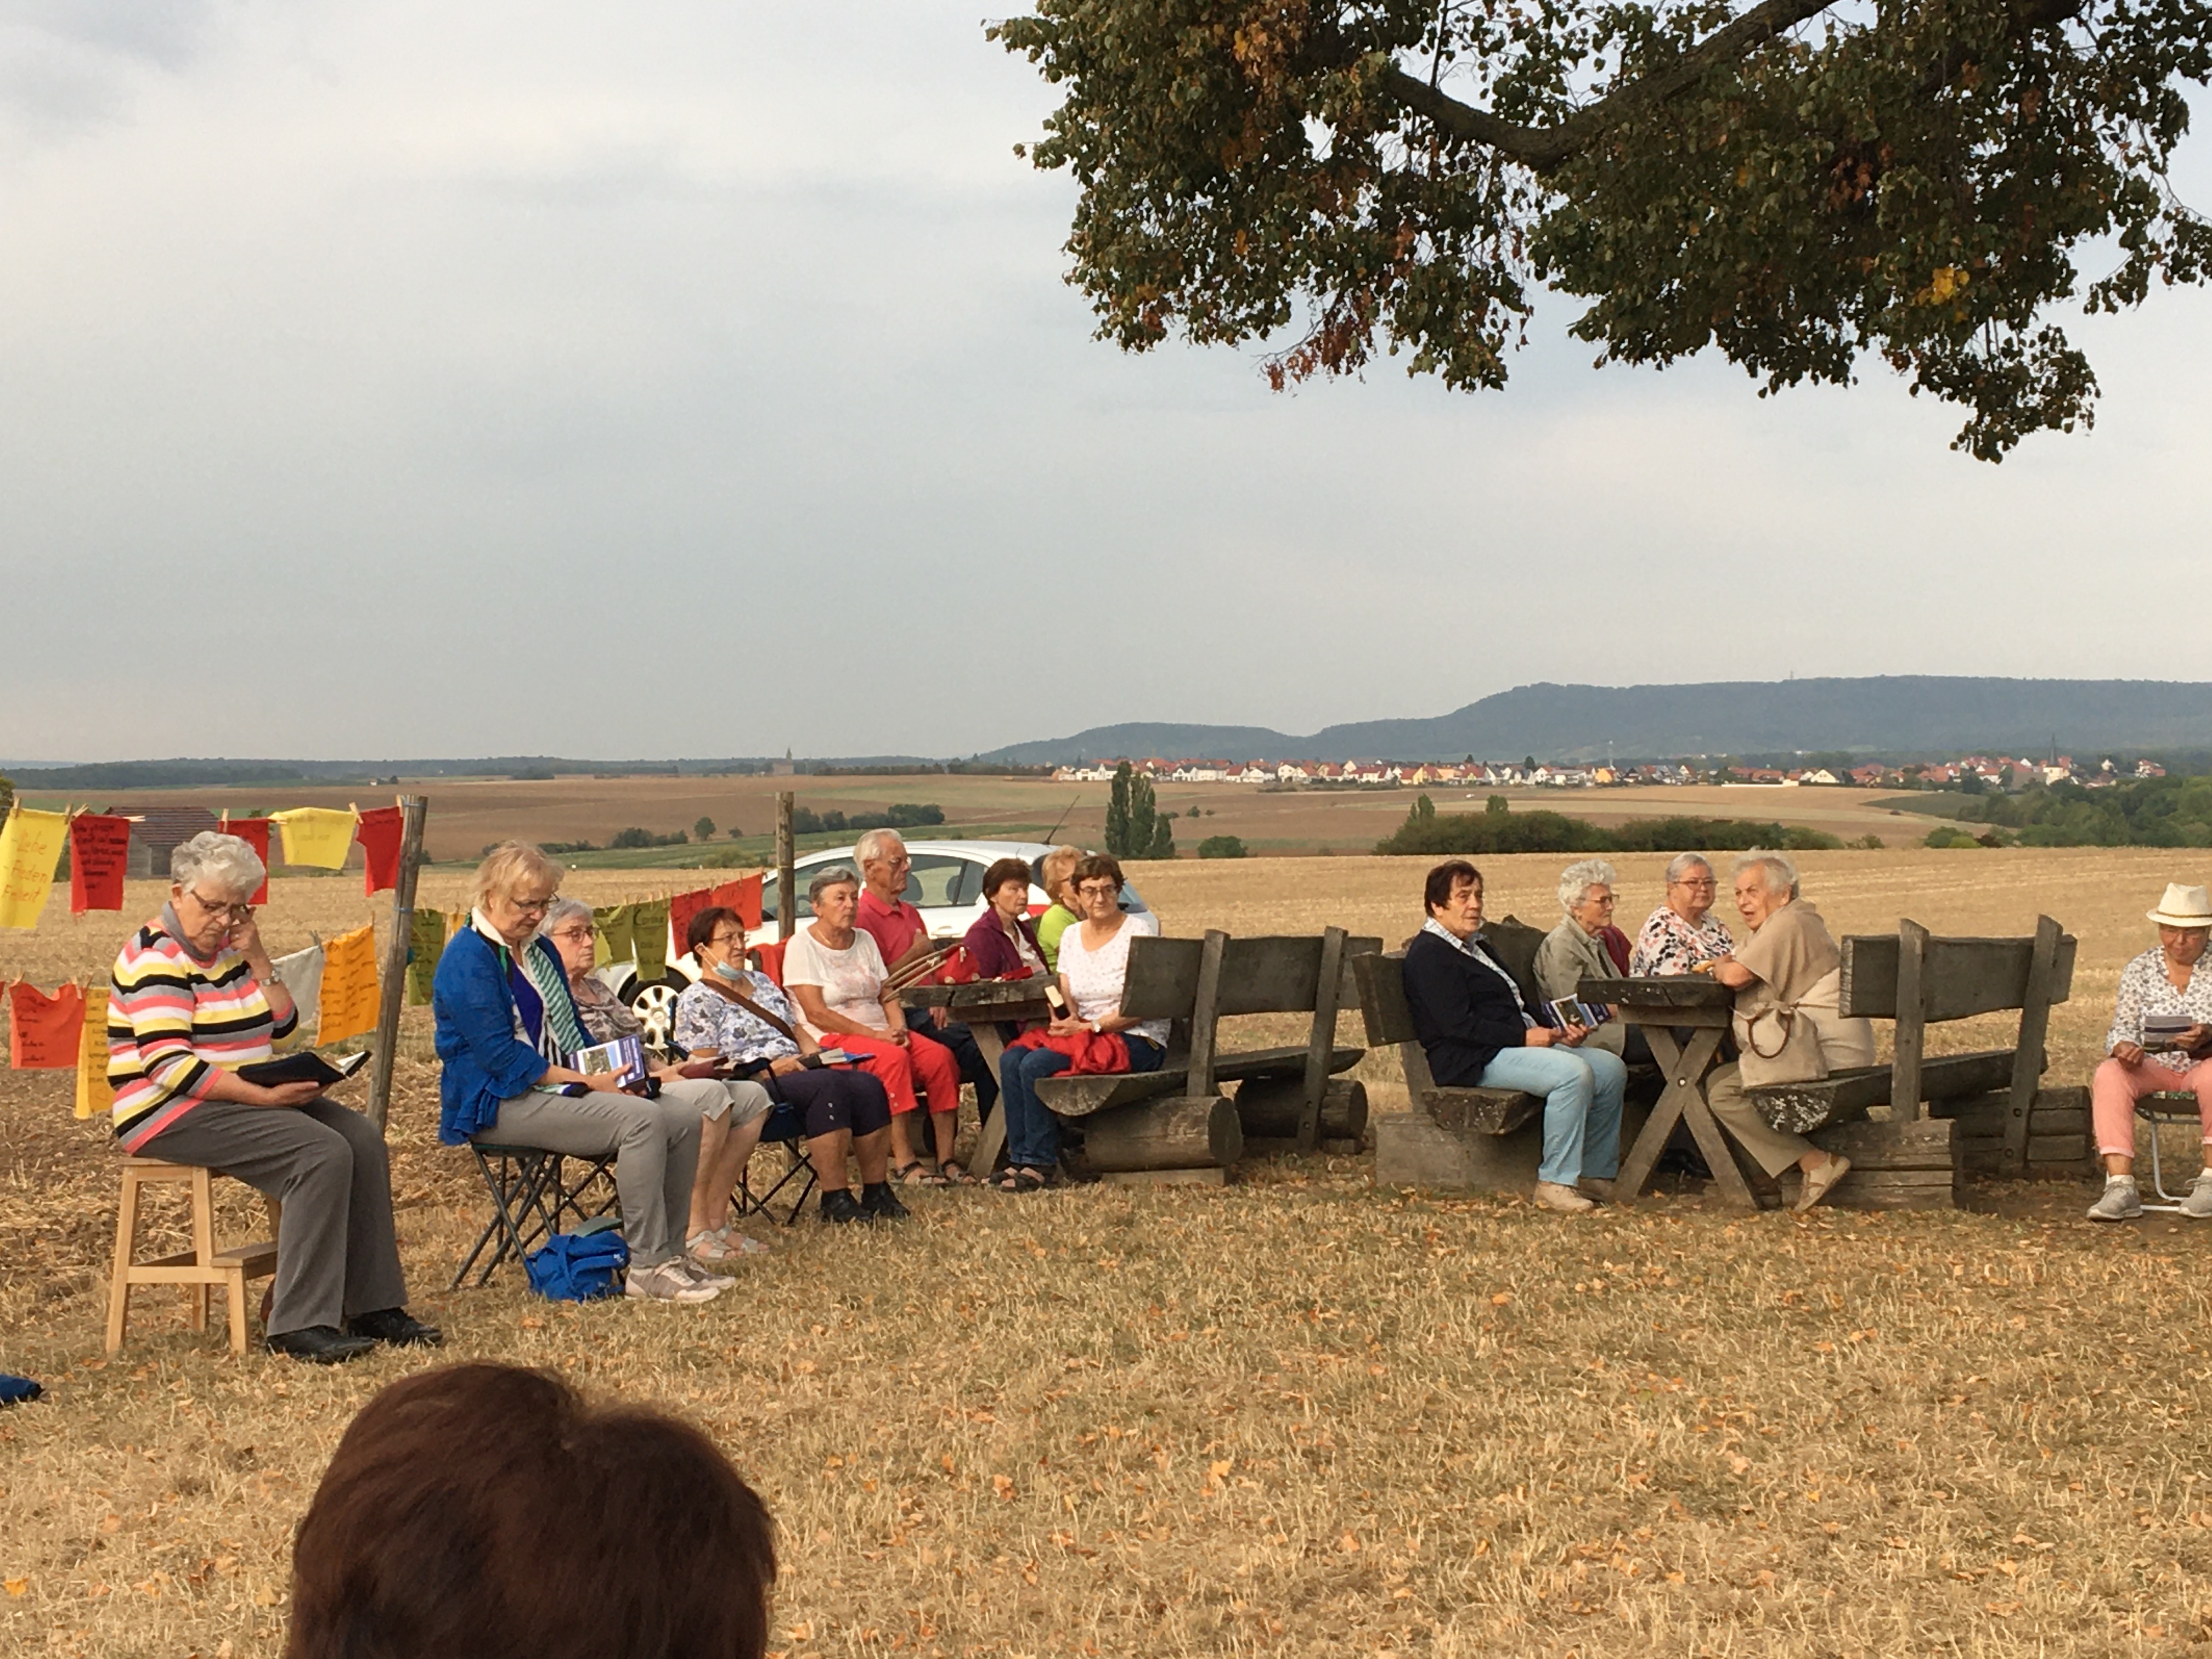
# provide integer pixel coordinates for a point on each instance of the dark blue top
(485, 1061)
(1464, 1010)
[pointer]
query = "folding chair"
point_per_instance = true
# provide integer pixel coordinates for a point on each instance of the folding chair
(530, 1190)
(786, 1126)
(2169, 1106)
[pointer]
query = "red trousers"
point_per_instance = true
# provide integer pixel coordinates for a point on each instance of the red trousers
(899, 1068)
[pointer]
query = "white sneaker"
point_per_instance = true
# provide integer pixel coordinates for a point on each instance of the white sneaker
(667, 1281)
(699, 1274)
(1551, 1195)
(2121, 1202)
(2198, 1204)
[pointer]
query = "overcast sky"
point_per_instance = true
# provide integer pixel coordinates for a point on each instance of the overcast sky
(698, 379)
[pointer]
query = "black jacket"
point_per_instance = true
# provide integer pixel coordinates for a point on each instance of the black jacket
(1463, 1012)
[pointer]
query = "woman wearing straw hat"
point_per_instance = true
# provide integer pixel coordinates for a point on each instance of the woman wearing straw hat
(2161, 1040)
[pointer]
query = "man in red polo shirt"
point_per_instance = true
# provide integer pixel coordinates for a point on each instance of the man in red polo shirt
(902, 935)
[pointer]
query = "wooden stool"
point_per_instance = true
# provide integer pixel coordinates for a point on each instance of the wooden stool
(198, 1269)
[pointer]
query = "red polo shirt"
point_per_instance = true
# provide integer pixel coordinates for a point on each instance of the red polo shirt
(894, 926)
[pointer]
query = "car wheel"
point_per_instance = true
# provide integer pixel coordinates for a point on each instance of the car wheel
(655, 1005)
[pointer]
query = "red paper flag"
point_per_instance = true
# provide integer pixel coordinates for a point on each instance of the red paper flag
(254, 832)
(379, 830)
(99, 848)
(743, 897)
(44, 1031)
(682, 908)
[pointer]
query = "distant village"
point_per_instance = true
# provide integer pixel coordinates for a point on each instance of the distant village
(1968, 771)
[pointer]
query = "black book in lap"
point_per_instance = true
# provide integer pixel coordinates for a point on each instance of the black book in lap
(306, 1067)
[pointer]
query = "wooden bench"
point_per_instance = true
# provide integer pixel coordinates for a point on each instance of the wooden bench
(1919, 980)
(1144, 1125)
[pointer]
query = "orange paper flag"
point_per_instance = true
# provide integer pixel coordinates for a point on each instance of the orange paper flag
(348, 1002)
(43, 1032)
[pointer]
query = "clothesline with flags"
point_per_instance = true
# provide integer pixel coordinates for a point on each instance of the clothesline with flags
(99, 846)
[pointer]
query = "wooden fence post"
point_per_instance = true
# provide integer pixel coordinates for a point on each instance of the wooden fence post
(393, 986)
(786, 907)
(1912, 1023)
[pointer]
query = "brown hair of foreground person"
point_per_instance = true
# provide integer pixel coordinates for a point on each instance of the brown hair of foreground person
(487, 1512)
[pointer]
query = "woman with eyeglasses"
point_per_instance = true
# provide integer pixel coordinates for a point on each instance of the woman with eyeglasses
(731, 1110)
(506, 1027)
(194, 997)
(1093, 1034)
(1587, 945)
(1681, 936)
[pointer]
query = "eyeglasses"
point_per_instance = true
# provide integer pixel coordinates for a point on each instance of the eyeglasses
(1096, 889)
(1605, 904)
(727, 941)
(1708, 884)
(575, 935)
(540, 905)
(228, 912)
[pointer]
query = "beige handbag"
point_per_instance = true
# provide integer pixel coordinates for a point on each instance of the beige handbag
(1779, 1045)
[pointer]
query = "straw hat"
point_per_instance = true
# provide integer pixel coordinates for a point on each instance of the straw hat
(2183, 906)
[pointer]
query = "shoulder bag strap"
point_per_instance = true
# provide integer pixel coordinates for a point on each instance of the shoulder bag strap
(752, 1008)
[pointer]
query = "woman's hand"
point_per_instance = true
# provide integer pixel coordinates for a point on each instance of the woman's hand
(2128, 1054)
(288, 1093)
(785, 1066)
(1069, 1026)
(1540, 1036)
(2193, 1039)
(1571, 1036)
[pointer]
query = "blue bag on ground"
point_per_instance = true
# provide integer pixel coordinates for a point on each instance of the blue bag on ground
(579, 1266)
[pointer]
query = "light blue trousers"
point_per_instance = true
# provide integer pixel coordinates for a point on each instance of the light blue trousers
(1582, 1089)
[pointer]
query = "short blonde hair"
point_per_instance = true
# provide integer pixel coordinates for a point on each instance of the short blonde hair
(510, 865)
(1054, 867)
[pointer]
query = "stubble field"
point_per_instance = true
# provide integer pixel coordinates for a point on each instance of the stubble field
(1293, 1416)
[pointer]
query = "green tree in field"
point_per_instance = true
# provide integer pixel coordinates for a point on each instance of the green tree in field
(1802, 185)
(1135, 827)
(1221, 846)
(7, 793)
(703, 830)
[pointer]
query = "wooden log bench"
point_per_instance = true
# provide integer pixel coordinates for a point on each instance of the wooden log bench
(1987, 1100)
(1175, 1123)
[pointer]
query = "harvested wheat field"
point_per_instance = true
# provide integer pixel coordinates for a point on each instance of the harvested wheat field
(1293, 1416)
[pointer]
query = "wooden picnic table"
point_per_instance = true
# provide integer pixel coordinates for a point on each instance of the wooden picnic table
(982, 1005)
(1661, 1006)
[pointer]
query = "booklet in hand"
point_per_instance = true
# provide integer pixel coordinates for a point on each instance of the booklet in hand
(306, 1067)
(2164, 1028)
(1570, 1011)
(625, 1056)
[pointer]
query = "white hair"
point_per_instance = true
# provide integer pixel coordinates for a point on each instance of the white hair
(1579, 878)
(562, 909)
(874, 844)
(1781, 874)
(837, 875)
(223, 861)
(1682, 863)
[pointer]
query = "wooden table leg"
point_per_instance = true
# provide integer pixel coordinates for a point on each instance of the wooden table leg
(1683, 1100)
(991, 1134)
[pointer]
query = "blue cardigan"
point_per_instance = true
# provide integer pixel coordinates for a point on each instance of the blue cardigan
(485, 1061)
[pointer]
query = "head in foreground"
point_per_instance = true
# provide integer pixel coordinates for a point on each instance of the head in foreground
(1765, 883)
(515, 887)
(487, 1512)
(1586, 894)
(1453, 897)
(212, 878)
(1691, 888)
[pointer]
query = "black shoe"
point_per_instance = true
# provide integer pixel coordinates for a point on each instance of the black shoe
(396, 1326)
(879, 1203)
(840, 1206)
(321, 1345)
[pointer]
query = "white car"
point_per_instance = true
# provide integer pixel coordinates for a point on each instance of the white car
(945, 882)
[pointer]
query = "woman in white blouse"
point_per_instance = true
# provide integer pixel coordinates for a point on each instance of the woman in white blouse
(2160, 1041)
(1094, 962)
(834, 971)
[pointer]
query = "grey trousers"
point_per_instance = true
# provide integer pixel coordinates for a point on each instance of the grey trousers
(711, 1096)
(336, 1255)
(656, 1148)
(1774, 1149)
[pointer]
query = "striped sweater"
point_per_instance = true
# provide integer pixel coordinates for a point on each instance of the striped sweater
(172, 1018)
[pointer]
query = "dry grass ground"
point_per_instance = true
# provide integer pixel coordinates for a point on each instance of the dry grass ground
(1294, 1416)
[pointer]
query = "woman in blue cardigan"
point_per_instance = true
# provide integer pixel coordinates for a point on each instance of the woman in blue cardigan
(1478, 1033)
(506, 1027)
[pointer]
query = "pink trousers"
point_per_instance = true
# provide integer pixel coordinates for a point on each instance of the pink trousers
(2114, 1090)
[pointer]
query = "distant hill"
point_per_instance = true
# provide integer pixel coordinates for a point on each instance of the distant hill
(1894, 715)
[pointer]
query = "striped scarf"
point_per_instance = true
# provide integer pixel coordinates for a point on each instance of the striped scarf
(552, 1027)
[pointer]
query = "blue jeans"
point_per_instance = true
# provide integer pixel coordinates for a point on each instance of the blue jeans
(1032, 1127)
(1582, 1089)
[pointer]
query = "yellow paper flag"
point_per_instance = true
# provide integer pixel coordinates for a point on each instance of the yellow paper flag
(30, 847)
(349, 1001)
(316, 836)
(93, 1098)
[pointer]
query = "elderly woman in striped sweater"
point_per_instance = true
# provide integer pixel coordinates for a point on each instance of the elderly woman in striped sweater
(193, 997)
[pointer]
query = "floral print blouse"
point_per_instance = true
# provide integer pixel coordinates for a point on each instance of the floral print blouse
(2145, 989)
(1668, 944)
